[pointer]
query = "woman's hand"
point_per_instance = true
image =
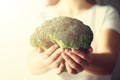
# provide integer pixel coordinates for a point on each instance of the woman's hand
(76, 61)
(52, 57)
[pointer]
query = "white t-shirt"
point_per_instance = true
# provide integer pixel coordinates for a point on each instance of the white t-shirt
(98, 17)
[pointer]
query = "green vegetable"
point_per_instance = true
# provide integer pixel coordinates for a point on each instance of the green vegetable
(65, 31)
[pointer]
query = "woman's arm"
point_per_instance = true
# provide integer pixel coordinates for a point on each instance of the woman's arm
(107, 51)
(108, 45)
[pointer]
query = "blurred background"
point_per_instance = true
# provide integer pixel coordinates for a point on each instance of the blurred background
(18, 18)
(114, 3)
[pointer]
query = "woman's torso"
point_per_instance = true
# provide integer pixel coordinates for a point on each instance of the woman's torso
(94, 17)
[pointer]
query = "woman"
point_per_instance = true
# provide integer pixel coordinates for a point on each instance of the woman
(99, 64)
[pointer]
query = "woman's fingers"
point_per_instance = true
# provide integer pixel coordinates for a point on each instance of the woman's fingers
(76, 61)
(83, 63)
(50, 51)
(61, 68)
(57, 62)
(83, 55)
(54, 57)
(69, 69)
(72, 63)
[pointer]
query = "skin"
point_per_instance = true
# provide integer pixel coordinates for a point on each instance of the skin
(76, 60)
(46, 60)
(100, 62)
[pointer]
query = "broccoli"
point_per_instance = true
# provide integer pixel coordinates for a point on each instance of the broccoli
(65, 31)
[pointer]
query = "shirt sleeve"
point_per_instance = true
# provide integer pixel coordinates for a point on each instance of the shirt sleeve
(112, 19)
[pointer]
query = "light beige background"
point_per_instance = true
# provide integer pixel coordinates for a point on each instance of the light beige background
(18, 18)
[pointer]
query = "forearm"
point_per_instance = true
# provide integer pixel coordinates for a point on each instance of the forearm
(104, 59)
(102, 64)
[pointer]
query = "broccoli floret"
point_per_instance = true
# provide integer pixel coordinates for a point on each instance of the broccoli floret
(65, 31)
